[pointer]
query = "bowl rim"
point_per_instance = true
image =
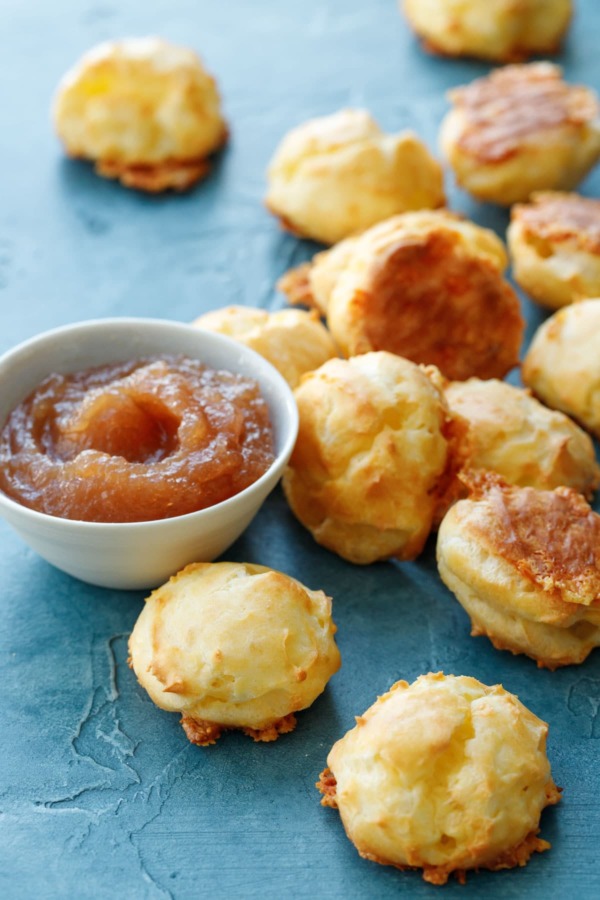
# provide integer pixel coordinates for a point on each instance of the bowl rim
(289, 405)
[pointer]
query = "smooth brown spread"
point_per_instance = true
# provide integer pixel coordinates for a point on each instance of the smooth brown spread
(135, 441)
(551, 537)
(562, 217)
(515, 102)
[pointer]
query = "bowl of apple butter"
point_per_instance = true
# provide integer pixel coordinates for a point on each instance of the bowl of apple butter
(131, 447)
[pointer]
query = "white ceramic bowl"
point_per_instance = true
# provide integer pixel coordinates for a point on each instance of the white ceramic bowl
(135, 555)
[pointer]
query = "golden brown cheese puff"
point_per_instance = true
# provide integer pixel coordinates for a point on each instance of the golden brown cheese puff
(145, 111)
(292, 340)
(511, 433)
(445, 775)
(425, 285)
(500, 30)
(234, 645)
(339, 174)
(562, 365)
(525, 565)
(521, 129)
(554, 243)
(370, 461)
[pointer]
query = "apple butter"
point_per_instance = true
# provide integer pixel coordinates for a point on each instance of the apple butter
(135, 441)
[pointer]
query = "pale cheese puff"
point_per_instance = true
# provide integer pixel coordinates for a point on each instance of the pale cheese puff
(292, 340)
(144, 111)
(234, 646)
(554, 243)
(371, 459)
(562, 365)
(445, 775)
(511, 433)
(501, 30)
(339, 174)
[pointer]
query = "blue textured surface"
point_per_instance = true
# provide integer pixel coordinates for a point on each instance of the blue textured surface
(101, 795)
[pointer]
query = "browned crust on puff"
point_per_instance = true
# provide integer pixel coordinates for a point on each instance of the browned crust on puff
(432, 303)
(170, 175)
(272, 732)
(201, 732)
(552, 538)
(204, 733)
(328, 787)
(513, 103)
(561, 217)
(173, 175)
(295, 284)
(514, 54)
(518, 855)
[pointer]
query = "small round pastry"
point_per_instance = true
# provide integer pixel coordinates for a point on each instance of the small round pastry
(511, 433)
(370, 462)
(144, 110)
(293, 340)
(521, 129)
(525, 565)
(445, 775)
(554, 243)
(562, 365)
(425, 285)
(503, 31)
(234, 646)
(339, 174)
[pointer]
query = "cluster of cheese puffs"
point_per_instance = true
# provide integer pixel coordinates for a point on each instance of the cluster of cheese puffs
(406, 426)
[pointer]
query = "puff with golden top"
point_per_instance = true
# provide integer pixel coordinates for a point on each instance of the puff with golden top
(503, 31)
(426, 285)
(339, 174)
(144, 110)
(293, 340)
(554, 244)
(511, 433)
(234, 646)
(562, 365)
(371, 462)
(525, 565)
(445, 775)
(519, 130)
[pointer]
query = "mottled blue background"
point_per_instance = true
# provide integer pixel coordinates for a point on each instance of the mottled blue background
(101, 795)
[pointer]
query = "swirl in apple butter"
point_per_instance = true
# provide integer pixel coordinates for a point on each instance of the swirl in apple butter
(135, 441)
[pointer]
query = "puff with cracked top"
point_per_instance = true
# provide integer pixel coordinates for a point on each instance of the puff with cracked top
(562, 365)
(145, 111)
(554, 244)
(511, 433)
(446, 775)
(371, 460)
(339, 174)
(519, 130)
(425, 285)
(234, 646)
(293, 340)
(503, 31)
(525, 565)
